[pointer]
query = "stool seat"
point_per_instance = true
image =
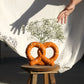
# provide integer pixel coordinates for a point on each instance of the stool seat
(41, 68)
(47, 70)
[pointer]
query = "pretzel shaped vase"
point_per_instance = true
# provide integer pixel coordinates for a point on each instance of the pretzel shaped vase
(42, 59)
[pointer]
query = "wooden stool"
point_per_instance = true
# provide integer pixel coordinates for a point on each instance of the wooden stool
(38, 69)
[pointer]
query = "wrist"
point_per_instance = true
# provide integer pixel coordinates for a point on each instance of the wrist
(70, 6)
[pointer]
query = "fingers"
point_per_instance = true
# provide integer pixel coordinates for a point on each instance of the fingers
(65, 20)
(63, 12)
(62, 17)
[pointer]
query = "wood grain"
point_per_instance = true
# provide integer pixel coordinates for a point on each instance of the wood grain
(52, 78)
(40, 68)
(46, 78)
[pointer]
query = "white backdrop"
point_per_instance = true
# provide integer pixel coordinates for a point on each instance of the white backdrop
(15, 13)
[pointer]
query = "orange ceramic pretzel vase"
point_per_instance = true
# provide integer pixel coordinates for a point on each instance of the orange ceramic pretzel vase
(51, 60)
(37, 60)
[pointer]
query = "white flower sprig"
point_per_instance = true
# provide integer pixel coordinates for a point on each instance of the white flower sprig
(45, 29)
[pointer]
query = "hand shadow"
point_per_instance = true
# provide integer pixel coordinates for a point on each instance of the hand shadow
(35, 8)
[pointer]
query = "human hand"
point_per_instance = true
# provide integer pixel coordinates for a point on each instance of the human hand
(65, 13)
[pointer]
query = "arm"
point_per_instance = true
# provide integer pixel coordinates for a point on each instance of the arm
(67, 11)
(75, 1)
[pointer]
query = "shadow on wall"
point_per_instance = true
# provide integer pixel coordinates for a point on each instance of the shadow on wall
(35, 8)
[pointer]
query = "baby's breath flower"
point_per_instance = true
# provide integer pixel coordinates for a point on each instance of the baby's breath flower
(45, 29)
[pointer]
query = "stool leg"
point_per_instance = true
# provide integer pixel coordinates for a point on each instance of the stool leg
(46, 81)
(52, 78)
(34, 79)
(29, 79)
